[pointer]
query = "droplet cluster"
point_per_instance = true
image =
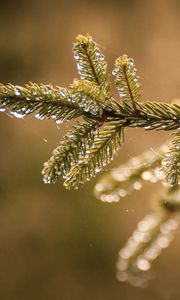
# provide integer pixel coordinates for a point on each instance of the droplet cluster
(87, 103)
(46, 101)
(106, 141)
(91, 63)
(76, 145)
(126, 79)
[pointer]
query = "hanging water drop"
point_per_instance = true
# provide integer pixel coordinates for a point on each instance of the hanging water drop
(17, 115)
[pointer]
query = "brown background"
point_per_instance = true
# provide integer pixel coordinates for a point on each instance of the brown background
(56, 244)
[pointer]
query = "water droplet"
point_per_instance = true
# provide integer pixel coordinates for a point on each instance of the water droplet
(163, 241)
(122, 265)
(76, 56)
(97, 169)
(99, 187)
(110, 198)
(122, 193)
(146, 175)
(59, 122)
(17, 115)
(143, 264)
(122, 276)
(151, 253)
(17, 91)
(117, 175)
(143, 226)
(137, 185)
(39, 117)
(47, 180)
(153, 179)
(125, 253)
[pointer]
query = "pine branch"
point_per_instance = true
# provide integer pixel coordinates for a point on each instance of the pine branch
(44, 100)
(107, 139)
(171, 163)
(75, 145)
(125, 179)
(90, 98)
(127, 80)
(153, 234)
(83, 99)
(92, 143)
(148, 115)
(90, 62)
(48, 102)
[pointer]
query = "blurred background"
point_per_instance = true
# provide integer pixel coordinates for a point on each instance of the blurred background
(58, 244)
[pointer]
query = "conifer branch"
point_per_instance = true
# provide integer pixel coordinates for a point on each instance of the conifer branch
(44, 100)
(171, 162)
(107, 140)
(150, 116)
(84, 99)
(127, 80)
(153, 234)
(75, 145)
(90, 98)
(90, 62)
(93, 142)
(129, 177)
(48, 102)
